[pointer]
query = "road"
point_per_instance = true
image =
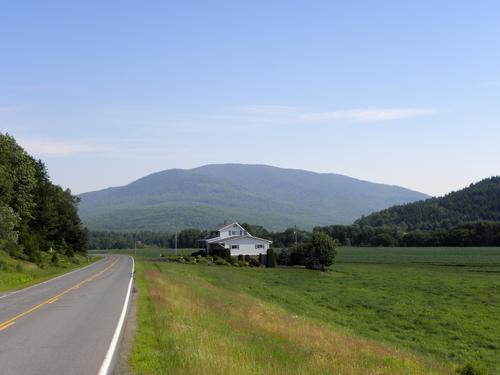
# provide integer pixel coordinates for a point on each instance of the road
(66, 325)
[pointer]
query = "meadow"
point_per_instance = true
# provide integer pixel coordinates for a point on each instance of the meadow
(379, 311)
(149, 252)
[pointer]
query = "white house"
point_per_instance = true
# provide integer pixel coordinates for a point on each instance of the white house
(235, 238)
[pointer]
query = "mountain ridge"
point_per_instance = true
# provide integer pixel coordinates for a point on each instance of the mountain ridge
(271, 196)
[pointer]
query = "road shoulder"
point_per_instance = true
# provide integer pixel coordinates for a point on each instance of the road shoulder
(122, 362)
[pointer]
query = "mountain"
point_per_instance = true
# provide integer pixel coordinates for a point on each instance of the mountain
(480, 201)
(202, 197)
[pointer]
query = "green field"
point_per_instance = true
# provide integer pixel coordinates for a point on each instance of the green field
(16, 274)
(381, 310)
(147, 252)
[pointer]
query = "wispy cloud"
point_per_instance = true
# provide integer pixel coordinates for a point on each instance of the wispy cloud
(53, 147)
(278, 114)
(367, 114)
(268, 109)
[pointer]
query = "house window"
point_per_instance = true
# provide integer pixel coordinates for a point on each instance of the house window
(233, 233)
(259, 246)
(235, 247)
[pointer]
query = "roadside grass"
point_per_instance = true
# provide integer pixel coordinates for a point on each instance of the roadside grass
(442, 304)
(189, 325)
(17, 274)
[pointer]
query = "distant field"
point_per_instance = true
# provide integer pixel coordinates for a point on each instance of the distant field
(444, 256)
(427, 310)
(149, 252)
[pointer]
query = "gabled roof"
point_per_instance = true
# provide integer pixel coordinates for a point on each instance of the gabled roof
(232, 238)
(224, 226)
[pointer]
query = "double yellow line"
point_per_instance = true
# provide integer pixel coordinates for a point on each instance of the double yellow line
(6, 324)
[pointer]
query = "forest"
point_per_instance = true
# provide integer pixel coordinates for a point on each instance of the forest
(478, 202)
(35, 214)
(478, 233)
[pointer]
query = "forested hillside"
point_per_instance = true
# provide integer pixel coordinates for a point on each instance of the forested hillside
(480, 201)
(202, 197)
(468, 217)
(35, 214)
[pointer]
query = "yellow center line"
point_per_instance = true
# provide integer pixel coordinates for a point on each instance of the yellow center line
(53, 299)
(7, 326)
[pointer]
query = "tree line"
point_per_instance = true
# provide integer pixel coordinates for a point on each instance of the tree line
(35, 215)
(476, 233)
(186, 238)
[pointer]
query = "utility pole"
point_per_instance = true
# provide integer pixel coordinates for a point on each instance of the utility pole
(295, 233)
(135, 248)
(175, 242)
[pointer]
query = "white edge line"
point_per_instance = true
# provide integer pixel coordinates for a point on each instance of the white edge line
(106, 364)
(8, 294)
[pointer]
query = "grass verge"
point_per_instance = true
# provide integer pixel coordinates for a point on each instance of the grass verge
(18, 274)
(190, 324)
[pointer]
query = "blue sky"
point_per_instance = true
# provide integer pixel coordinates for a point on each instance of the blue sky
(399, 92)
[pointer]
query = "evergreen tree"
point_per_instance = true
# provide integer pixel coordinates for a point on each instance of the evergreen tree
(271, 259)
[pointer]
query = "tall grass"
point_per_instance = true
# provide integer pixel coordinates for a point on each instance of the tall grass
(188, 325)
(16, 274)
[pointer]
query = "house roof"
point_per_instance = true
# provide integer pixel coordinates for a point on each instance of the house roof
(233, 238)
(224, 226)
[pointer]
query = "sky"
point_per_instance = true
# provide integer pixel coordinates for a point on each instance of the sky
(397, 92)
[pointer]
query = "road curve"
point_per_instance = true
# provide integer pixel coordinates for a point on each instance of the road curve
(66, 325)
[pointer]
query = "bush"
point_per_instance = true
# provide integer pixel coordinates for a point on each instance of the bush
(469, 369)
(174, 258)
(32, 248)
(220, 261)
(271, 259)
(19, 267)
(284, 258)
(201, 260)
(241, 258)
(254, 262)
(198, 253)
(298, 255)
(221, 252)
(55, 259)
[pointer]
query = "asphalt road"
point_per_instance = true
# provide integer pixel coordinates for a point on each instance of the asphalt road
(66, 325)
